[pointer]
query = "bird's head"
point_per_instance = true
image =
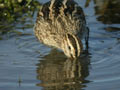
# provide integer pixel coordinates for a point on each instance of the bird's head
(72, 46)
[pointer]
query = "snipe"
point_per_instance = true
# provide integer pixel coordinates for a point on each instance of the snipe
(62, 24)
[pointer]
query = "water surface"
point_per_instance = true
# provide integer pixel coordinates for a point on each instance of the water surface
(26, 64)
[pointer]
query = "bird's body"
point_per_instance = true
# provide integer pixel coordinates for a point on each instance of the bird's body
(61, 24)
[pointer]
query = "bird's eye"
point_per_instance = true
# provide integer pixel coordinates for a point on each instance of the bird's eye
(69, 47)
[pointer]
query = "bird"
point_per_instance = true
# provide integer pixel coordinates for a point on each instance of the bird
(62, 24)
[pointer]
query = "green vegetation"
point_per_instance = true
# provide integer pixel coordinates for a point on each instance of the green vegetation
(13, 11)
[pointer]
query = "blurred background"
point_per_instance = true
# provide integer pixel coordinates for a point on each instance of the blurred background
(26, 64)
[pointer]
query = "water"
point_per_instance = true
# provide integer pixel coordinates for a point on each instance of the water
(25, 64)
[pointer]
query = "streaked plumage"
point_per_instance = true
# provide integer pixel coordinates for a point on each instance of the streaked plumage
(61, 24)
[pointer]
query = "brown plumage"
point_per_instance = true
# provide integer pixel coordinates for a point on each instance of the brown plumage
(61, 24)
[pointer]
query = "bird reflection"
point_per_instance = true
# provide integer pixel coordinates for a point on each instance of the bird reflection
(56, 72)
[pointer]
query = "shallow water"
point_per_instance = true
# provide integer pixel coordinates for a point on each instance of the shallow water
(25, 64)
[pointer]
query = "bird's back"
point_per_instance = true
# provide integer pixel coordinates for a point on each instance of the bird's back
(58, 17)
